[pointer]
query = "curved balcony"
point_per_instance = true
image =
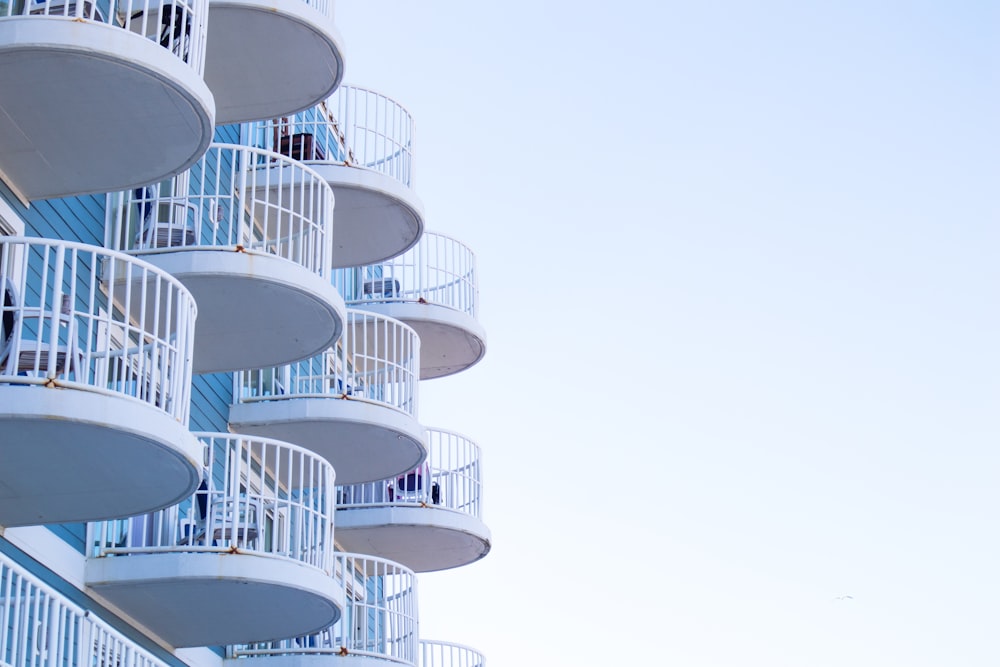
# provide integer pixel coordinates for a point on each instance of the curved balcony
(378, 627)
(355, 405)
(248, 232)
(427, 519)
(256, 537)
(95, 384)
(361, 142)
(434, 289)
(101, 96)
(269, 58)
(42, 627)
(446, 654)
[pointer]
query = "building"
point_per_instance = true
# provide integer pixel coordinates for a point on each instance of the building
(219, 302)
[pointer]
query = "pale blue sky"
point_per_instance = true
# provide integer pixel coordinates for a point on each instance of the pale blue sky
(740, 277)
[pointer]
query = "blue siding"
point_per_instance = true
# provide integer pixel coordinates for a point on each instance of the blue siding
(76, 219)
(210, 399)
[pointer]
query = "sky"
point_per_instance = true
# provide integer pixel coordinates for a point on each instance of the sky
(738, 271)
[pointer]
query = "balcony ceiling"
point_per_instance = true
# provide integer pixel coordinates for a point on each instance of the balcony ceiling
(364, 441)
(376, 217)
(88, 107)
(424, 539)
(270, 58)
(254, 309)
(213, 599)
(450, 341)
(137, 459)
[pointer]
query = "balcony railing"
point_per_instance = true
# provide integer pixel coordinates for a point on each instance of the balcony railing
(444, 654)
(356, 127)
(236, 197)
(450, 479)
(438, 270)
(324, 7)
(258, 496)
(176, 25)
(379, 619)
(40, 628)
(83, 317)
(377, 361)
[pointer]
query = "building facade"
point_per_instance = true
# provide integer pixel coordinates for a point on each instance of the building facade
(220, 300)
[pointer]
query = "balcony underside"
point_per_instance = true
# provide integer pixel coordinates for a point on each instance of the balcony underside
(423, 539)
(269, 58)
(330, 659)
(211, 599)
(88, 107)
(254, 309)
(364, 441)
(73, 455)
(450, 340)
(376, 218)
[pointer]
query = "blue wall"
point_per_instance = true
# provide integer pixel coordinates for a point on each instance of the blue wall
(82, 219)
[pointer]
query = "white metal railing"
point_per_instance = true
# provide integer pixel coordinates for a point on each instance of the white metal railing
(177, 25)
(437, 270)
(79, 316)
(235, 197)
(41, 628)
(377, 360)
(355, 126)
(451, 478)
(379, 618)
(445, 654)
(257, 495)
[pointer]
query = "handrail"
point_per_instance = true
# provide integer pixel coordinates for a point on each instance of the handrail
(379, 618)
(448, 654)
(41, 628)
(179, 26)
(98, 320)
(377, 361)
(236, 198)
(450, 479)
(356, 126)
(257, 495)
(438, 270)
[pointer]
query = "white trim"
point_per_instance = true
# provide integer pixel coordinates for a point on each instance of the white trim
(11, 224)
(48, 548)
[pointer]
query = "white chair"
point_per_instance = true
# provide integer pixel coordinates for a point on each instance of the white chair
(167, 222)
(236, 520)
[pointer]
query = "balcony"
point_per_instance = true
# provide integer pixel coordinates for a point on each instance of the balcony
(95, 383)
(255, 537)
(355, 405)
(42, 628)
(361, 143)
(101, 97)
(378, 627)
(270, 58)
(427, 519)
(434, 289)
(445, 654)
(248, 233)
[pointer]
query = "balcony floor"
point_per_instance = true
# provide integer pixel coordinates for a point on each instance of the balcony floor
(89, 108)
(377, 217)
(364, 441)
(450, 340)
(137, 459)
(212, 599)
(270, 58)
(424, 539)
(254, 309)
